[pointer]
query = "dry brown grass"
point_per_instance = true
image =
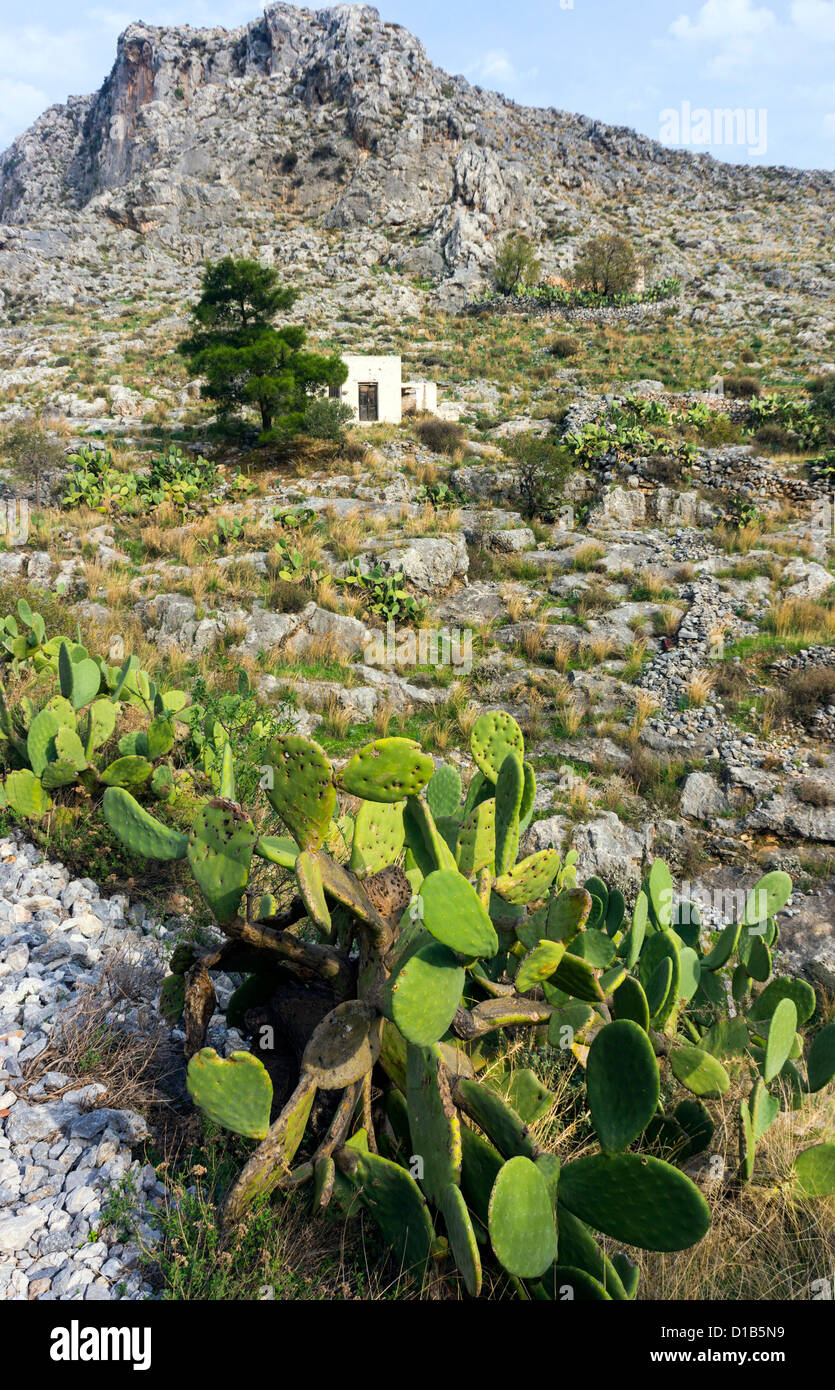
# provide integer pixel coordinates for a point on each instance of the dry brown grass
(532, 641)
(383, 715)
(563, 653)
(569, 718)
(667, 621)
(87, 1047)
(601, 648)
(587, 556)
(514, 602)
(336, 718)
(763, 1242)
(646, 704)
(699, 688)
(802, 620)
(347, 535)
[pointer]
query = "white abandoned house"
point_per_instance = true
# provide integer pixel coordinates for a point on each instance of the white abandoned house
(375, 390)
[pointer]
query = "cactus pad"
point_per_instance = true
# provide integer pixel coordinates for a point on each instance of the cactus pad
(344, 1046)
(623, 1083)
(172, 998)
(526, 808)
(499, 1121)
(236, 1092)
(578, 1248)
(530, 879)
(784, 987)
(479, 1170)
(821, 1062)
(131, 771)
(40, 741)
(61, 773)
(79, 680)
(658, 948)
(660, 893)
(434, 1125)
(633, 943)
(462, 1238)
(578, 1285)
(102, 723)
(539, 964)
(527, 1095)
(139, 832)
(25, 795)
(302, 790)
(764, 1109)
(767, 897)
(698, 1071)
(781, 1035)
(427, 844)
(521, 1220)
(425, 993)
(392, 1197)
(815, 1171)
(494, 735)
(388, 769)
(69, 748)
(636, 1199)
(568, 913)
(378, 836)
(443, 791)
(278, 850)
(455, 915)
(576, 976)
(615, 912)
(220, 848)
(510, 785)
(630, 1002)
(477, 840)
(309, 879)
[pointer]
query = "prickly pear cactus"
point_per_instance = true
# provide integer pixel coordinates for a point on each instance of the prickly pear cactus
(434, 939)
(67, 746)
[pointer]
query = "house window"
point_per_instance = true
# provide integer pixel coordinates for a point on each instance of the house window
(368, 401)
(335, 392)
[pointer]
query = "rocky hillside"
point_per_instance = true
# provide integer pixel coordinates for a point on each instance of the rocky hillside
(328, 142)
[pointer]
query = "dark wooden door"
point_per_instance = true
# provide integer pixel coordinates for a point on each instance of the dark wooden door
(369, 409)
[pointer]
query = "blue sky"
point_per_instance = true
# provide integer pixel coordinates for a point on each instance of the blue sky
(669, 68)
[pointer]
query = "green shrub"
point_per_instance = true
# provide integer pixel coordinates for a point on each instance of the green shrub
(563, 346)
(742, 387)
(32, 453)
(773, 437)
(805, 692)
(326, 419)
(441, 436)
(542, 467)
(607, 265)
(822, 392)
(516, 264)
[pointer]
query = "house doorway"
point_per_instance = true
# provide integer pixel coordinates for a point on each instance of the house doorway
(368, 401)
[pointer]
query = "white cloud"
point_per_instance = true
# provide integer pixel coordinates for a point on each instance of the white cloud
(33, 53)
(110, 19)
(724, 20)
(20, 104)
(739, 32)
(496, 69)
(494, 66)
(815, 18)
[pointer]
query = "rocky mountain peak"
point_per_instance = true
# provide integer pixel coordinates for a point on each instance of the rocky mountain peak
(204, 141)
